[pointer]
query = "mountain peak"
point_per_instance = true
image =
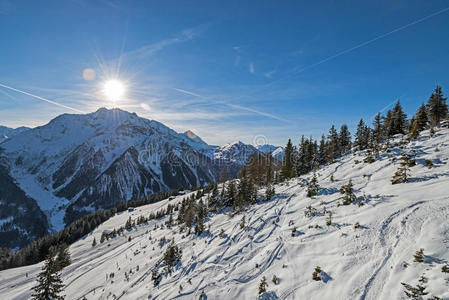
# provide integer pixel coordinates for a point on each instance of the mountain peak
(191, 135)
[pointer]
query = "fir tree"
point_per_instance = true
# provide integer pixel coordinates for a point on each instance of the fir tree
(333, 147)
(345, 139)
(49, 284)
(421, 119)
(362, 135)
(419, 255)
(287, 170)
(437, 107)
(94, 242)
(377, 130)
(231, 193)
(414, 292)
(348, 192)
(400, 176)
(63, 258)
(172, 255)
(313, 188)
(399, 120)
(263, 285)
(269, 192)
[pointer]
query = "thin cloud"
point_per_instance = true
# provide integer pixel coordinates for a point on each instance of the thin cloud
(149, 50)
(251, 68)
(240, 107)
(40, 98)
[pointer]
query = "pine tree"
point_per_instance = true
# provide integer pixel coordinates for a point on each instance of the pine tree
(345, 138)
(313, 188)
(419, 255)
(172, 255)
(348, 192)
(377, 130)
(269, 192)
(287, 170)
(400, 176)
(63, 258)
(362, 135)
(263, 285)
(49, 284)
(94, 242)
(231, 193)
(399, 119)
(333, 149)
(437, 107)
(421, 119)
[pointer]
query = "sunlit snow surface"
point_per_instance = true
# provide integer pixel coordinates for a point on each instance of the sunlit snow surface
(364, 263)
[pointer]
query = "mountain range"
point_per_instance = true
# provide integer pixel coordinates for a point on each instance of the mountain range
(79, 163)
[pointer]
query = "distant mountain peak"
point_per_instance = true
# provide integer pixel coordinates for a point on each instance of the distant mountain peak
(191, 135)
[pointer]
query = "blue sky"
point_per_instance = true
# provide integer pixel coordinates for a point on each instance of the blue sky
(228, 70)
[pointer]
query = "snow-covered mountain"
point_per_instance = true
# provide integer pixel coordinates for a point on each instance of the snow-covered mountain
(366, 251)
(6, 132)
(276, 151)
(76, 164)
(191, 135)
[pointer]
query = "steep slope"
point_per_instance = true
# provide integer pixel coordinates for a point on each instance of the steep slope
(368, 261)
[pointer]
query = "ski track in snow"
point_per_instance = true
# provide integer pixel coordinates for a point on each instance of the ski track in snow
(364, 263)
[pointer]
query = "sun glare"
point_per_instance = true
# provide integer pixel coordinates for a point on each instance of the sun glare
(113, 89)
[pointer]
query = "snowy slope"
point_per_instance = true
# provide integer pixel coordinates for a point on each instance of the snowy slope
(364, 263)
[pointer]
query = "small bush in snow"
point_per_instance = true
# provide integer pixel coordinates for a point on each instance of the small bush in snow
(329, 219)
(419, 255)
(356, 225)
(263, 285)
(429, 163)
(348, 193)
(316, 274)
(275, 279)
(445, 269)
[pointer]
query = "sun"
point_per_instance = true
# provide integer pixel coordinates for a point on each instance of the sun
(114, 89)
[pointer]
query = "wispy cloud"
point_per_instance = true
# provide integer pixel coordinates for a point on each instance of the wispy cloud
(235, 106)
(269, 74)
(151, 49)
(251, 68)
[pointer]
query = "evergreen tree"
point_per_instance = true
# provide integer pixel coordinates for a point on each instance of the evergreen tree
(269, 192)
(399, 120)
(94, 242)
(63, 258)
(345, 138)
(437, 107)
(287, 170)
(377, 130)
(348, 193)
(313, 188)
(400, 176)
(322, 150)
(172, 255)
(231, 193)
(263, 285)
(333, 148)
(362, 135)
(49, 284)
(421, 119)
